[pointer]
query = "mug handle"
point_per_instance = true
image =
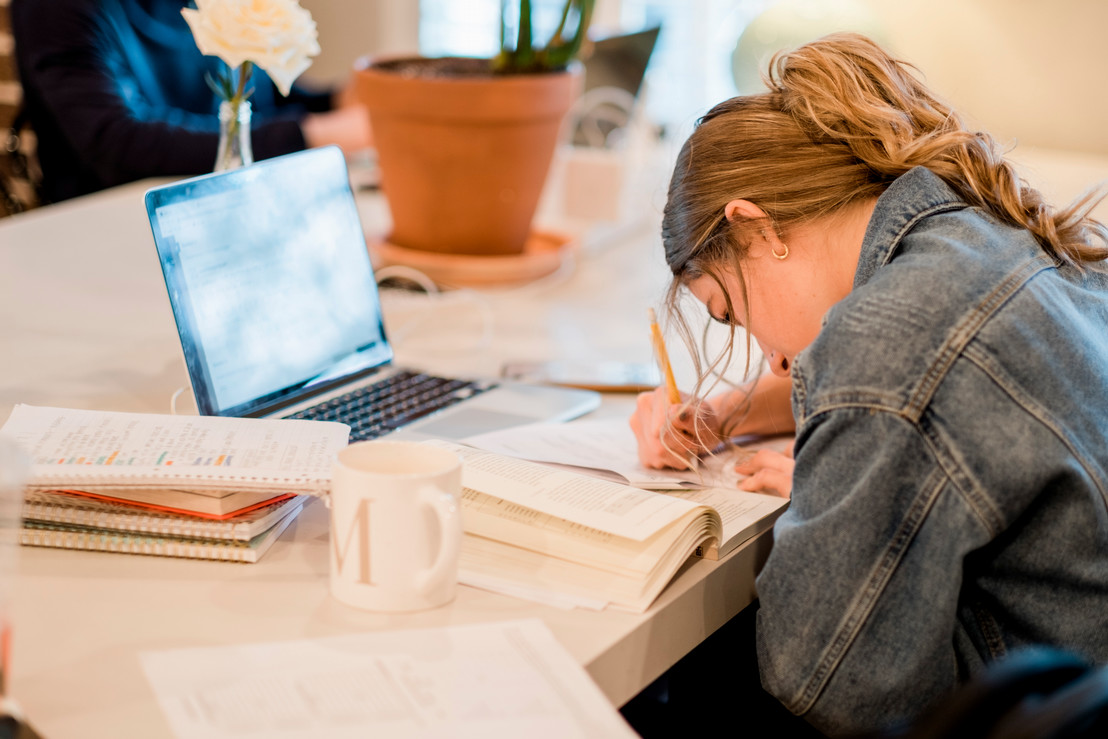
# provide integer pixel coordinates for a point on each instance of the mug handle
(445, 507)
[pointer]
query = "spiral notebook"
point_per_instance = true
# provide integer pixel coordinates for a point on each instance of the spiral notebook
(188, 463)
(88, 538)
(65, 509)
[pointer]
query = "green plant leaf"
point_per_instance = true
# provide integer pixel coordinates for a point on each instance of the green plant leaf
(555, 54)
(562, 53)
(525, 54)
(215, 86)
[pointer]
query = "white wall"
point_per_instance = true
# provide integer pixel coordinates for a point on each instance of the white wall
(1028, 71)
(349, 29)
(1031, 72)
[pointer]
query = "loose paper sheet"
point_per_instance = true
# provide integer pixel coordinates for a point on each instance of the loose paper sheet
(605, 445)
(598, 444)
(507, 679)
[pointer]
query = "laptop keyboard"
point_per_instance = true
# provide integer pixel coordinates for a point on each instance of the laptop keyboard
(393, 402)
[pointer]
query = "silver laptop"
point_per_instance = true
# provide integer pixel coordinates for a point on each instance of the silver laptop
(278, 312)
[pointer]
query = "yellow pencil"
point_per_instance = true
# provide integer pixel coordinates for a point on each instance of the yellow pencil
(663, 359)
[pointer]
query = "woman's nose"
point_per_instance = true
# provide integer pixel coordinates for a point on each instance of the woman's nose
(778, 363)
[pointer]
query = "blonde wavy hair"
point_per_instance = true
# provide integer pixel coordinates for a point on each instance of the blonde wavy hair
(842, 119)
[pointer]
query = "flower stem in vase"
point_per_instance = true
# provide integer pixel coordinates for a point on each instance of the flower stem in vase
(235, 149)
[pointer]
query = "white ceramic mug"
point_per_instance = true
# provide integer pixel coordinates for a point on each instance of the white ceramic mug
(396, 525)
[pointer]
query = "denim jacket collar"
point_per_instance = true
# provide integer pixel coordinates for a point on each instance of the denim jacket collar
(910, 198)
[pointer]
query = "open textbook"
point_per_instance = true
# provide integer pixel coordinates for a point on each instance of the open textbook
(550, 529)
(606, 449)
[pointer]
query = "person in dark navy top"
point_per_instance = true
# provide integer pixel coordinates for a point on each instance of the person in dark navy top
(115, 91)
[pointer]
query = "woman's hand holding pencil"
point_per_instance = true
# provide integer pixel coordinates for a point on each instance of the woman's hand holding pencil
(674, 430)
(671, 430)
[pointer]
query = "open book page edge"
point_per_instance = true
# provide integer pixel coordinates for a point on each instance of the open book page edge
(535, 571)
(739, 523)
(619, 509)
(510, 523)
(575, 580)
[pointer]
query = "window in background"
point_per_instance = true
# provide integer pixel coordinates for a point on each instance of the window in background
(689, 71)
(472, 27)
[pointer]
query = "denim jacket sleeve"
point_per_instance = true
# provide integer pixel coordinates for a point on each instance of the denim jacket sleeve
(950, 493)
(842, 638)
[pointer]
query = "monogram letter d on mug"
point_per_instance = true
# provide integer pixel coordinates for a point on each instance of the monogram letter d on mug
(396, 525)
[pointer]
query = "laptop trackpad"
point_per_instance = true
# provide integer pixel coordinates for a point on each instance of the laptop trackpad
(467, 422)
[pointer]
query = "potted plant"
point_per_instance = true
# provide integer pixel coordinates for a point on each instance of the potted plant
(464, 144)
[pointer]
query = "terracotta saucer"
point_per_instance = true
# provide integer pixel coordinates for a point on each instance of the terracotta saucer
(543, 254)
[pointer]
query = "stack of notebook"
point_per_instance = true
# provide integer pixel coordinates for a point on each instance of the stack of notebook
(206, 487)
(77, 520)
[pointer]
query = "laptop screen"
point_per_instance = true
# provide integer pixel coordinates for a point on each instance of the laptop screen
(269, 280)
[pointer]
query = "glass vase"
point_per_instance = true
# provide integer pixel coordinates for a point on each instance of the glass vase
(234, 136)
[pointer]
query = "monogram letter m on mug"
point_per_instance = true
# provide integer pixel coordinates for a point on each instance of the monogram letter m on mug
(396, 526)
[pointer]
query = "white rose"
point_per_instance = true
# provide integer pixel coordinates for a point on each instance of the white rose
(277, 35)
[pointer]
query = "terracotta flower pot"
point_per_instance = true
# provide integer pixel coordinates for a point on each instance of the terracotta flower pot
(463, 156)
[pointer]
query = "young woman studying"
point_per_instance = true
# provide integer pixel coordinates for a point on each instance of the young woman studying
(942, 336)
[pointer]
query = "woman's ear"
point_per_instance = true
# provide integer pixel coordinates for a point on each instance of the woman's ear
(743, 209)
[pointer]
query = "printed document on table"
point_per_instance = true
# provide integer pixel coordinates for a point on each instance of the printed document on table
(604, 445)
(608, 445)
(506, 679)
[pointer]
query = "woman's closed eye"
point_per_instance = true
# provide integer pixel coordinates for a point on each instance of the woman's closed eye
(724, 318)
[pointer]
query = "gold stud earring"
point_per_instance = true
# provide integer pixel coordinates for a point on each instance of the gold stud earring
(782, 255)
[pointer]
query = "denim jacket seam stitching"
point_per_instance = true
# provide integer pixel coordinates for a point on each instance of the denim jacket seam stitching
(799, 389)
(894, 242)
(968, 328)
(863, 605)
(980, 359)
(893, 406)
(990, 631)
(976, 499)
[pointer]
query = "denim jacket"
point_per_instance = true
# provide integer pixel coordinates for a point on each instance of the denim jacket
(949, 495)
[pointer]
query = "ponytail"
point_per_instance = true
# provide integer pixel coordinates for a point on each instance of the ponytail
(841, 120)
(845, 90)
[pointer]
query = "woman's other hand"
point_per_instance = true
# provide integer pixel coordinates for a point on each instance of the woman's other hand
(768, 471)
(673, 434)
